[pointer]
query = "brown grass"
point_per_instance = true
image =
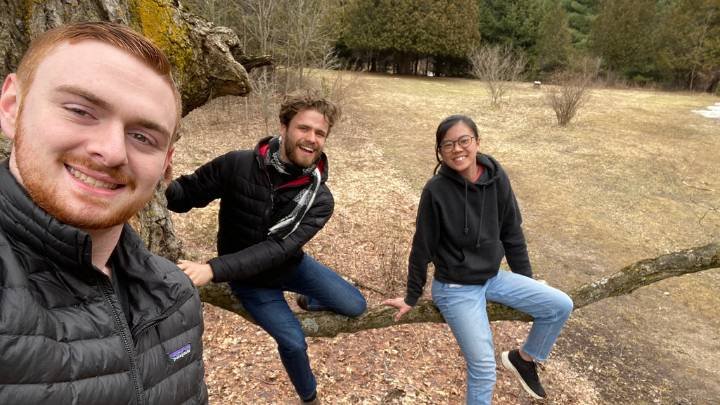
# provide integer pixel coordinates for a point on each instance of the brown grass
(633, 176)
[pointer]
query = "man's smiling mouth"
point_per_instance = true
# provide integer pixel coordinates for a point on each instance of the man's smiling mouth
(91, 181)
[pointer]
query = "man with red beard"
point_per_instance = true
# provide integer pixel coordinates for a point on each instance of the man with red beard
(87, 314)
(273, 200)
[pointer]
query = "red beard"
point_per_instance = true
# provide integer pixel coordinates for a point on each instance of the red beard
(48, 196)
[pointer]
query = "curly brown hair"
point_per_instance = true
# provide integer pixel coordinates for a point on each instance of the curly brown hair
(302, 100)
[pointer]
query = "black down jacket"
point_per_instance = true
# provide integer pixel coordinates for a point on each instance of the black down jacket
(241, 181)
(64, 337)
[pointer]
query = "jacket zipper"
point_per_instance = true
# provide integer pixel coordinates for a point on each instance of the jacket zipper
(272, 196)
(108, 292)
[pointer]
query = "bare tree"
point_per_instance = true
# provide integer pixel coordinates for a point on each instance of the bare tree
(296, 35)
(339, 85)
(260, 31)
(265, 95)
(497, 66)
(571, 91)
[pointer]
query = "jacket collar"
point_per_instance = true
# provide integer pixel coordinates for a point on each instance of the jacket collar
(30, 225)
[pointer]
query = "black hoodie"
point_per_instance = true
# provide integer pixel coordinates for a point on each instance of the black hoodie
(465, 229)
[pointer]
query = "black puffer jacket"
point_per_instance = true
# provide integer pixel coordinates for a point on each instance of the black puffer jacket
(466, 228)
(64, 338)
(241, 181)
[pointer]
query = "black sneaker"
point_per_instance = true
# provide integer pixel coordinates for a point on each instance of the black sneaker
(525, 371)
(314, 399)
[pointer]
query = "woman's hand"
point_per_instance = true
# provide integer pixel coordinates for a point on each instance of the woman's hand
(400, 304)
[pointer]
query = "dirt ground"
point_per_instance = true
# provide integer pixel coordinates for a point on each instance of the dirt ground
(634, 176)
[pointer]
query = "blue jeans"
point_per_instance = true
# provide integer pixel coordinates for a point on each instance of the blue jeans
(464, 309)
(325, 291)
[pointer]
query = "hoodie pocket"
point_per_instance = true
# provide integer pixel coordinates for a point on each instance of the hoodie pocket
(484, 257)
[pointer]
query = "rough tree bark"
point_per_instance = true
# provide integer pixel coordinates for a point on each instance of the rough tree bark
(4, 148)
(625, 281)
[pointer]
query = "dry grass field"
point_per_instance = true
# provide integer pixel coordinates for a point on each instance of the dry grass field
(634, 176)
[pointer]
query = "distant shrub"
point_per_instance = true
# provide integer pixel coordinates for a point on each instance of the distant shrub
(497, 66)
(571, 91)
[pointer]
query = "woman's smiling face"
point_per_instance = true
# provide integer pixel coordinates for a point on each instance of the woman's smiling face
(460, 158)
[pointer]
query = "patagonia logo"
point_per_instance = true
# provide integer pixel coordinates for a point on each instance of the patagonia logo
(180, 353)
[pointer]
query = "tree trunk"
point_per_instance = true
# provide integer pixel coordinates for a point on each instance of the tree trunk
(625, 281)
(155, 227)
(713, 84)
(4, 148)
(204, 56)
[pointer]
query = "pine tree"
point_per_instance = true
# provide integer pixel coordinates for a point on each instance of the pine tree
(554, 38)
(624, 36)
(513, 23)
(403, 32)
(691, 51)
(581, 14)
(510, 22)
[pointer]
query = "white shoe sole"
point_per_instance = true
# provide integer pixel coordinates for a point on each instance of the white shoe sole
(508, 365)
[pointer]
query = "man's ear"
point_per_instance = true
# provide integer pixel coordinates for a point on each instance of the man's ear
(283, 131)
(9, 104)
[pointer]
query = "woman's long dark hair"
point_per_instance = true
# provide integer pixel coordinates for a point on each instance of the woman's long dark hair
(445, 126)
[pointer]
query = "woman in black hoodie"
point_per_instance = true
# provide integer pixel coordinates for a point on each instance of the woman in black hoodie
(468, 219)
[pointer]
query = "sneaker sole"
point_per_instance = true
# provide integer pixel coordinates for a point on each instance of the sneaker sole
(508, 365)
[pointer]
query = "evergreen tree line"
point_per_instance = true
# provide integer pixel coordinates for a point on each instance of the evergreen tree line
(672, 43)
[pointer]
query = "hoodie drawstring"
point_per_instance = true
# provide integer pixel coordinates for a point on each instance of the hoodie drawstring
(482, 208)
(466, 229)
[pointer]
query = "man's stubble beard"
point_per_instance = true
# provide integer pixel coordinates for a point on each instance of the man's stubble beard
(45, 193)
(291, 150)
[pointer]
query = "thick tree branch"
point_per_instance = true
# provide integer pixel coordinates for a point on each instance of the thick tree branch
(204, 56)
(625, 281)
(250, 63)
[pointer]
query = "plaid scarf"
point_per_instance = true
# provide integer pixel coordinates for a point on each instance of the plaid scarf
(310, 176)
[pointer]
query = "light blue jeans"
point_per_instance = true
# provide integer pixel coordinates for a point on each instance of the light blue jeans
(464, 309)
